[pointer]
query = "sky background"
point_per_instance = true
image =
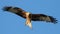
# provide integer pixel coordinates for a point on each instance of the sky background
(13, 24)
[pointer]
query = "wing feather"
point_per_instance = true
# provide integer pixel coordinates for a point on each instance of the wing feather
(15, 10)
(34, 17)
(42, 17)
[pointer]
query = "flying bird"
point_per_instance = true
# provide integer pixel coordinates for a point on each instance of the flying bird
(29, 16)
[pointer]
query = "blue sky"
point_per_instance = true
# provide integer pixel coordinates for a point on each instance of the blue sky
(13, 24)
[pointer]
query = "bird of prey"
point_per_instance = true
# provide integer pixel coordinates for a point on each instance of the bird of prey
(29, 16)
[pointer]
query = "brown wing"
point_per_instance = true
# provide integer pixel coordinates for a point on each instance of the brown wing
(34, 17)
(16, 10)
(42, 17)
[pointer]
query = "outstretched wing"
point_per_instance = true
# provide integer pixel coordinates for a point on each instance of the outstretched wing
(42, 17)
(15, 10)
(34, 17)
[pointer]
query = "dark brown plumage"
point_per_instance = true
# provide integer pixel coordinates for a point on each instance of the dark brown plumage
(33, 17)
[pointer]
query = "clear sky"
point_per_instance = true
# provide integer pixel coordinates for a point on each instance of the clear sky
(13, 24)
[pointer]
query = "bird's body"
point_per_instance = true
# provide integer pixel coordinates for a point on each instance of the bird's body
(29, 16)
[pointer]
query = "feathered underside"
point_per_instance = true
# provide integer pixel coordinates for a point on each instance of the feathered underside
(33, 17)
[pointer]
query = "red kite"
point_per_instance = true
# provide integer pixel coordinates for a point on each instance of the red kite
(29, 16)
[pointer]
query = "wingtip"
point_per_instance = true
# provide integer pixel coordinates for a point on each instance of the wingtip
(53, 20)
(6, 8)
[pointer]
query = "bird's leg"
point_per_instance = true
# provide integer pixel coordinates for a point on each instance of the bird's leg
(28, 20)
